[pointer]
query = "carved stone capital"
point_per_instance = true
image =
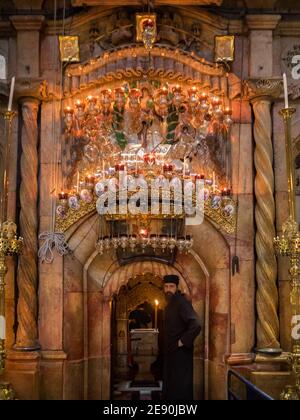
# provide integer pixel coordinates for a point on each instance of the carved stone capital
(27, 23)
(31, 88)
(265, 22)
(263, 89)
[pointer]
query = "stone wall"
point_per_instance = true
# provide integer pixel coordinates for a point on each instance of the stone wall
(75, 291)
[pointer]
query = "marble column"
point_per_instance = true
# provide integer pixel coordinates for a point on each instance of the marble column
(22, 367)
(27, 269)
(262, 93)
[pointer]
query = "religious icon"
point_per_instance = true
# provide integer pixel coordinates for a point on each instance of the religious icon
(228, 211)
(86, 196)
(61, 212)
(69, 49)
(216, 201)
(206, 194)
(99, 188)
(73, 202)
(224, 48)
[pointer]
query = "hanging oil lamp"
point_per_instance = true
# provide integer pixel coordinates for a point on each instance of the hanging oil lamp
(120, 98)
(148, 32)
(92, 104)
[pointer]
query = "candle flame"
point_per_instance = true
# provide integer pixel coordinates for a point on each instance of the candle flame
(156, 302)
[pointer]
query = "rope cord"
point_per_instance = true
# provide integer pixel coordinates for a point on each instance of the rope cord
(235, 259)
(51, 241)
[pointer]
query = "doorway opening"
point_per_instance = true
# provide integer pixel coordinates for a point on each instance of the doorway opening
(137, 339)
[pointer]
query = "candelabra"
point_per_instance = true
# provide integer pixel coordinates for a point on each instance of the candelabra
(10, 245)
(155, 242)
(288, 245)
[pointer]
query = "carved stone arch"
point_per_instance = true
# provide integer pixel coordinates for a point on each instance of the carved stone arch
(205, 276)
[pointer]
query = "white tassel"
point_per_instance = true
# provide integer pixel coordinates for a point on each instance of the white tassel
(52, 241)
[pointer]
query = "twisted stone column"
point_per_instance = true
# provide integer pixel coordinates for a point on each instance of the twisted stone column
(27, 269)
(262, 93)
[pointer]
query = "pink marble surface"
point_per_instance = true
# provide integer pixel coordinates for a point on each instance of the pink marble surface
(73, 274)
(218, 335)
(73, 380)
(73, 325)
(50, 320)
(95, 301)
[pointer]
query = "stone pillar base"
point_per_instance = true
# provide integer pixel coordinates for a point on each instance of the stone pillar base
(235, 359)
(51, 375)
(22, 372)
(268, 373)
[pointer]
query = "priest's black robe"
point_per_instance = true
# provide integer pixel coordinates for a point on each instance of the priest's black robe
(181, 323)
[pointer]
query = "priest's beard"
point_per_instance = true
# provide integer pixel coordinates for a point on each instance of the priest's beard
(169, 296)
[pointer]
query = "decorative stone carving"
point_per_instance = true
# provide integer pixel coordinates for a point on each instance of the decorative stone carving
(31, 88)
(259, 89)
(261, 94)
(133, 63)
(265, 22)
(173, 30)
(27, 269)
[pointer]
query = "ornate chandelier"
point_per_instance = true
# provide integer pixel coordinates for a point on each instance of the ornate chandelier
(126, 113)
(143, 241)
(167, 119)
(147, 132)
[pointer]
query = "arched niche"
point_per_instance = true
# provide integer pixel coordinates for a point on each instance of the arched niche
(91, 280)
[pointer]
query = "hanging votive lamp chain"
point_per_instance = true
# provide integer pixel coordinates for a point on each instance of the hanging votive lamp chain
(149, 33)
(142, 241)
(107, 114)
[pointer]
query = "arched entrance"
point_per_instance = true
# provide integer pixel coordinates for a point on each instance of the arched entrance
(91, 281)
(205, 273)
(126, 275)
(134, 308)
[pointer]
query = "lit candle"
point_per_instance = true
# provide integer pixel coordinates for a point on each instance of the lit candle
(155, 319)
(68, 110)
(2, 327)
(199, 176)
(118, 167)
(286, 95)
(214, 182)
(77, 187)
(90, 179)
(224, 192)
(103, 169)
(63, 196)
(11, 93)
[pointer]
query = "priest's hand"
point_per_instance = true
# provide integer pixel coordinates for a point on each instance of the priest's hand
(180, 343)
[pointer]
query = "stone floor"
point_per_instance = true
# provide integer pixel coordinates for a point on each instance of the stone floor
(125, 391)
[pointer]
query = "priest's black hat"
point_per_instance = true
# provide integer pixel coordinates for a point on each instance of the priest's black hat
(171, 278)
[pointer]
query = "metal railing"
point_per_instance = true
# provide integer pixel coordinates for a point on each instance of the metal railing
(248, 391)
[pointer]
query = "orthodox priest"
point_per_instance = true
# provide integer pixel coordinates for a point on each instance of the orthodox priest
(181, 328)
